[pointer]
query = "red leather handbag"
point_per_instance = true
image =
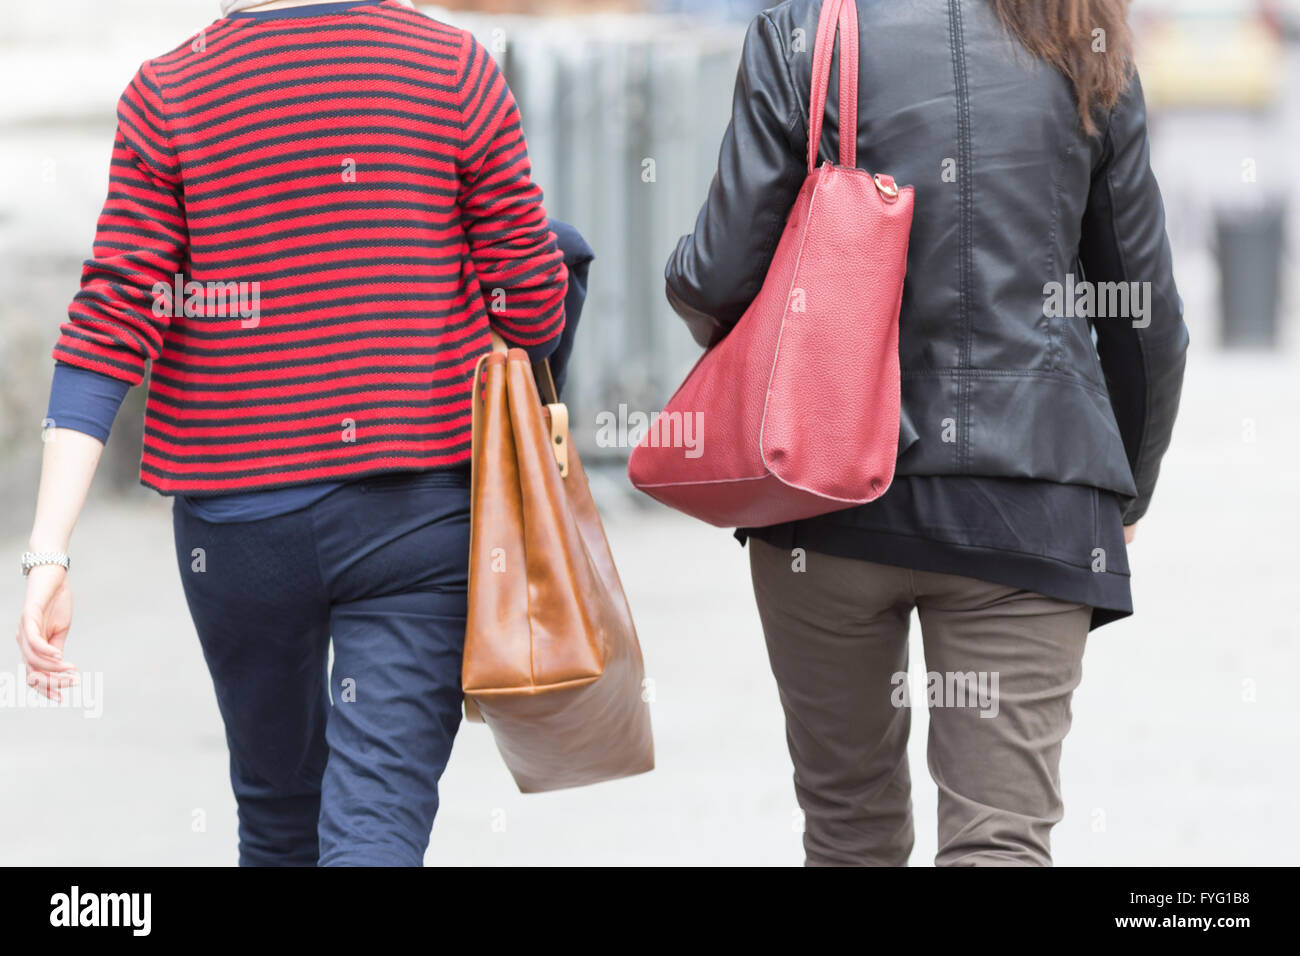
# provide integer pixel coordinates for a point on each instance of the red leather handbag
(795, 413)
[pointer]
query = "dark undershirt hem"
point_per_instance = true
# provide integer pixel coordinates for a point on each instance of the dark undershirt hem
(1106, 593)
(324, 9)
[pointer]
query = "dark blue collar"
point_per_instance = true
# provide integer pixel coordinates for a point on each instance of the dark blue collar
(311, 10)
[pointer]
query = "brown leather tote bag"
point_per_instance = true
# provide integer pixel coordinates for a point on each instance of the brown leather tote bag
(552, 662)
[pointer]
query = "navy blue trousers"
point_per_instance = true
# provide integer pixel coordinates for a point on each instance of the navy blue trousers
(336, 767)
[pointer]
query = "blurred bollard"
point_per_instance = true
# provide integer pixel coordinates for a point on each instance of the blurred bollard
(1248, 247)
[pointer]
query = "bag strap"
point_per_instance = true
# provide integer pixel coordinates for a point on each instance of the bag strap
(476, 416)
(841, 15)
(545, 382)
(557, 413)
(541, 371)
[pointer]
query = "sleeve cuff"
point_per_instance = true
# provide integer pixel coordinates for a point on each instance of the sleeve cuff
(84, 401)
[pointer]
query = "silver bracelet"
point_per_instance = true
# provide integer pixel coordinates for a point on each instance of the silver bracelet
(36, 559)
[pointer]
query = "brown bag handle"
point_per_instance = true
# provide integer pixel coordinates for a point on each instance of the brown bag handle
(556, 412)
(541, 372)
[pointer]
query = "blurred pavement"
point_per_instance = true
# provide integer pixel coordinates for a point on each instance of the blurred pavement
(1184, 729)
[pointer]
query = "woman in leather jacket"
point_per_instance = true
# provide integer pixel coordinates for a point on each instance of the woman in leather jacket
(1042, 348)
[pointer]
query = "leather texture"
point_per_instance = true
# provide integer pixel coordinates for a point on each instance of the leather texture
(798, 408)
(1011, 195)
(552, 662)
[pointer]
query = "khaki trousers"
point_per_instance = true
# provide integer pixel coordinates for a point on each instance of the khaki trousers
(1002, 665)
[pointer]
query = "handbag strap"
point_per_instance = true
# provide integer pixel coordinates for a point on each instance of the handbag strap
(841, 15)
(476, 416)
(557, 413)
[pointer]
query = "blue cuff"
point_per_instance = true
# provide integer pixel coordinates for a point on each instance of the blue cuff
(84, 401)
(578, 257)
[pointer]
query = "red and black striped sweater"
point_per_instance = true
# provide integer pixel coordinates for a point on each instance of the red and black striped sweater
(347, 202)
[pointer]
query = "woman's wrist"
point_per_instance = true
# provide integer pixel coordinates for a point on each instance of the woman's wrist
(66, 473)
(43, 540)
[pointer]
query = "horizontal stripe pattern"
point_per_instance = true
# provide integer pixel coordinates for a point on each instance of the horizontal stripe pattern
(367, 169)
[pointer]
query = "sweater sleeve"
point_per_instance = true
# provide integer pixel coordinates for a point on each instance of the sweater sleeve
(117, 320)
(520, 269)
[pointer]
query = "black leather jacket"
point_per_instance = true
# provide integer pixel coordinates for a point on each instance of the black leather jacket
(1011, 196)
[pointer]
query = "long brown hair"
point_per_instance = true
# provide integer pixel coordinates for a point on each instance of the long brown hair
(1063, 33)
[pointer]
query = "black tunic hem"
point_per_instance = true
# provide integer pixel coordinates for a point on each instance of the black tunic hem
(1106, 592)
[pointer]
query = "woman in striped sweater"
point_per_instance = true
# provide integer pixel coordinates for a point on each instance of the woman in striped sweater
(316, 213)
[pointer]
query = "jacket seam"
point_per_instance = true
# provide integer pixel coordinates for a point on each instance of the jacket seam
(1096, 523)
(1054, 265)
(1107, 141)
(774, 234)
(972, 373)
(792, 88)
(965, 265)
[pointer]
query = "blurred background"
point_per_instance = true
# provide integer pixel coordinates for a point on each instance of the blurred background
(1186, 723)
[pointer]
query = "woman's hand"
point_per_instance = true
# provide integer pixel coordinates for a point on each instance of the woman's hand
(43, 630)
(66, 472)
(1130, 532)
